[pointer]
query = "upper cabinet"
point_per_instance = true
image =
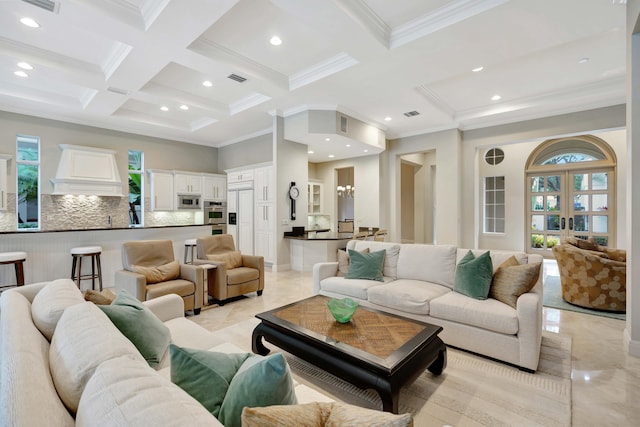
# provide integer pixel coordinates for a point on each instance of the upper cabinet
(162, 194)
(214, 187)
(4, 159)
(314, 197)
(263, 184)
(186, 183)
(239, 176)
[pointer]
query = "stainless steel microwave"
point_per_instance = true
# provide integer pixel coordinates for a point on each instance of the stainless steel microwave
(188, 201)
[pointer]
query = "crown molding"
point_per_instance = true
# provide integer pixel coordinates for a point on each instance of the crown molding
(247, 102)
(443, 17)
(436, 101)
(360, 12)
(323, 69)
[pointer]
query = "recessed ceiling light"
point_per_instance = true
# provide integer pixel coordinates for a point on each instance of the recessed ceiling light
(386, 119)
(310, 152)
(30, 22)
(366, 151)
(348, 145)
(327, 139)
(331, 156)
(184, 107)
(25, 66)
(21, 73)
(276, 41)
(583, 60)
(207, 83)
(477, 69)
(164, 108)
(496, 97)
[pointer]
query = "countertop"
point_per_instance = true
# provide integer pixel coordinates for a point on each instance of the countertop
(27, 231)
(319, 235)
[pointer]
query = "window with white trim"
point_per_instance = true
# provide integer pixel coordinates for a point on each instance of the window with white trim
(28, 182)
(494, 204)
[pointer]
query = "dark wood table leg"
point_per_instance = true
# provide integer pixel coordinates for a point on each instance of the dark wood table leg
(19, 273)
(390, 397)
(256, 341)
(440, 363)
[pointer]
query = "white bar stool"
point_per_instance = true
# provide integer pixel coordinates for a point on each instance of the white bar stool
(15, 258)
(189, 247)
(81, 252)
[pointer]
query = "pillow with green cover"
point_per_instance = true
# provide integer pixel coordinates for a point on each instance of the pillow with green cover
(474, 275)
(143, 328)
(366, 266)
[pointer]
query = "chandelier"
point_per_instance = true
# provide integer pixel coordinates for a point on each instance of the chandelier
(346, 191)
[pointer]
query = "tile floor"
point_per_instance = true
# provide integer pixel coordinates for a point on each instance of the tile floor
(606, 381)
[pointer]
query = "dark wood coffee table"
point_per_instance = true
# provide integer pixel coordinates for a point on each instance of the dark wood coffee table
(374, 350)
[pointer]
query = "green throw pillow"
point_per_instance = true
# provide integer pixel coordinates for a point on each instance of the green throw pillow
(474, 275)
(205, 375)
(260, 381)
(225, 383)
(136, 322)
(366, 266)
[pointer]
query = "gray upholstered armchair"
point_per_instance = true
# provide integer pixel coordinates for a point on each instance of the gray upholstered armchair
(235, 274)
(150, 271)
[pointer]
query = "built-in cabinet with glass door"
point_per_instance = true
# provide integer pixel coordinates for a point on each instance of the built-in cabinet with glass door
(314, 198)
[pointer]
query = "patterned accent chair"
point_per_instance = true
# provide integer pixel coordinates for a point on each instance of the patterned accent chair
(592, 278)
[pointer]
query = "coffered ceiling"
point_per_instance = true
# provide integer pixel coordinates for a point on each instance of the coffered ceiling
(115, 63)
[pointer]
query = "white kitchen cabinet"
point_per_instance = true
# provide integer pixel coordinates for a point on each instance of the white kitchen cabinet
(4, 159)
(314, 197)
(214, 188)
(161, 194)
(186, 183)
(239, 176)
(263, 184)
(265, 231)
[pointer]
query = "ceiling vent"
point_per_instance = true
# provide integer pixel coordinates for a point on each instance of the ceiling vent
(118, 90)
(47, 5)
(411, 113)
(237, 78)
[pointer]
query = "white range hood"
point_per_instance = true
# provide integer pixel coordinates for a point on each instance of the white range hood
(87, 171)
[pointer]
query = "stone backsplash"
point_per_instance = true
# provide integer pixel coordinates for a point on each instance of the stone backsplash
(89, 212)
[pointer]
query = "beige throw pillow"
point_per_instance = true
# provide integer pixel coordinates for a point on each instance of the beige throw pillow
(319, 414)
(344, 261)
(52, 300)
(232, 259)
(161, 273)
(512, 279)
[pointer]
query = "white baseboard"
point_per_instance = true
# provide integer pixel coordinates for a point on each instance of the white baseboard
(632, 346)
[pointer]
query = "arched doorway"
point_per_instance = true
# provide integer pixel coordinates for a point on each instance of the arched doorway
(570, 185)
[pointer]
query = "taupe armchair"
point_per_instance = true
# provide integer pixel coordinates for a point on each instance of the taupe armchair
(150, 271)
(235, 274)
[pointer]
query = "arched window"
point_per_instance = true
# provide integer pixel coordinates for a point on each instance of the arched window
(570, 192)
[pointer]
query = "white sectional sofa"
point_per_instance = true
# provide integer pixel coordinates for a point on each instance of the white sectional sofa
(418, 283)
(103, 375)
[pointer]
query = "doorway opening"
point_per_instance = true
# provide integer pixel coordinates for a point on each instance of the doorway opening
(417, 197)
(571, 190)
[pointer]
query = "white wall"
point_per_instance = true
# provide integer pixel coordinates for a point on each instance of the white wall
(517, 151)
(251, 151)
(447, 146)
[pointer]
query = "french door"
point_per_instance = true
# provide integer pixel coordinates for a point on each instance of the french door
(570, 203)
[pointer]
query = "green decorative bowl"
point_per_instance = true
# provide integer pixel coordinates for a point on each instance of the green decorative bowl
(342, 309)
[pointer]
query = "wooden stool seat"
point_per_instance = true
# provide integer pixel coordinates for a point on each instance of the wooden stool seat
(189, 247)
(15, 258)
(81, 252)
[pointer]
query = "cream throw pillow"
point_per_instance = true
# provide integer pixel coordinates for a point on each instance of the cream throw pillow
(344, 261)
(161, 273)
(322, 414)
(512, 279)
(232, 259)
(77, 350)
(49, 304)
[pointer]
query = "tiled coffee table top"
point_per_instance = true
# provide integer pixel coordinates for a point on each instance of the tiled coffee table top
(374, 332)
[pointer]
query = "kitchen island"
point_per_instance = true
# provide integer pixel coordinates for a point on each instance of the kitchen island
(311, 248)
(48, 254)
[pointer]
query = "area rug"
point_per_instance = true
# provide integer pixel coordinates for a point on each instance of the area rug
(553, 299)
(472, 390)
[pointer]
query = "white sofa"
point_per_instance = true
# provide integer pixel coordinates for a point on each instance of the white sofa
(100, 371)
(418, 283)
